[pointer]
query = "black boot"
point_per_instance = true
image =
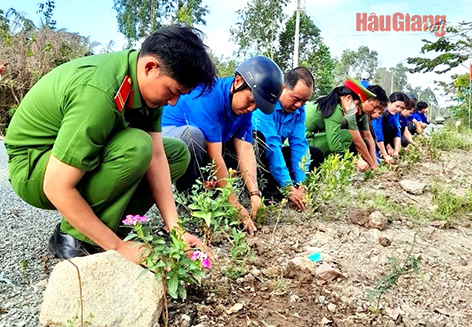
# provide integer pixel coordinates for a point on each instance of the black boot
(64, 246)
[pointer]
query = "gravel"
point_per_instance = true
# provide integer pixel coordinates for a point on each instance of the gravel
(24, 261)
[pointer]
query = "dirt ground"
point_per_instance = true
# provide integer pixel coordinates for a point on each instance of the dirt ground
(280, 286)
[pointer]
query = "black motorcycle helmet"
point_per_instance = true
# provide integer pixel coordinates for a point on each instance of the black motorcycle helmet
(265, 80)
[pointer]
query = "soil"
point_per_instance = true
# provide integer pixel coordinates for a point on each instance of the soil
(279, 286)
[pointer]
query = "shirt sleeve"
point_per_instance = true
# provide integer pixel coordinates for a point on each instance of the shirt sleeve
(333, 131)
(351, 123)
(156, 118)
(244, 132)
(206, 112)
(377, 126)
(398, 132)
(310, 117)
(414, 118)
(89, 118)
(363, 123)
(299, 149)
(277, 166)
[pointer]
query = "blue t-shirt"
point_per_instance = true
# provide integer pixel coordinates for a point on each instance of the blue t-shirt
(415, 116)
(386, 122)
(364, 83)
(423, 118)
(276, 128)
(403, 121)
(211, 113)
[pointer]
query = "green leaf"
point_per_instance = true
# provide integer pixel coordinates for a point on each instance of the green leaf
(158, 276)
(130, 236)
(182, 292)
(218, 214)
(172, 285)
(142, 273)
(159, 241)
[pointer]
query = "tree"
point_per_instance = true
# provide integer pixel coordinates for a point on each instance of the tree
(354, 63)
(139, 18)
(258, 27)
(400, 79)
(224, 66)
(453, 49)
(31, 53)
(191, 12)
(458, 91)
(314, 54)
(45, 10)
(383, 77)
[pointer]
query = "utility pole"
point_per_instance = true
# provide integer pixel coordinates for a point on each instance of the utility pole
(470, 93)
(391, 81)
(297, 36)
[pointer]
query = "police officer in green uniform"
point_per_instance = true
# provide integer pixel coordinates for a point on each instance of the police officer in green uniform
(86, 140)
(359, 127)
(324, 118)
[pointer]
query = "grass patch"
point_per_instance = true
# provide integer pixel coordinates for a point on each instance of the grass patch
(380, 202)
(450, 138)
(447, 204)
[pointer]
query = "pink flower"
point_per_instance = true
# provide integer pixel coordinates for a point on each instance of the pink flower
(202, 257)
(133, 220)
(206, 263)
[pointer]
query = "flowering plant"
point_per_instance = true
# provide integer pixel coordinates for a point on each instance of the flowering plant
(203, 257)
(167, 257)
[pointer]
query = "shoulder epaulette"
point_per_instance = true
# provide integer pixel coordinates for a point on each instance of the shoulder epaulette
(123, 93)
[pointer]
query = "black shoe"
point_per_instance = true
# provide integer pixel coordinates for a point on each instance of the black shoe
(64, 246)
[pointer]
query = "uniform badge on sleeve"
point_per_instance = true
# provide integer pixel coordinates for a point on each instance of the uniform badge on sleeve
(123, 93)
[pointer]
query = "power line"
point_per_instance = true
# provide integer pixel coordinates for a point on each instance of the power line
(437, 4)
(312, 16)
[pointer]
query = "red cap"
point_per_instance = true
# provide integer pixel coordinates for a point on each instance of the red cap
(358, 89)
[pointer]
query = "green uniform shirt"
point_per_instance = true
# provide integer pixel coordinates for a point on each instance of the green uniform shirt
(316, 123)
(71, 110)
(356, 122)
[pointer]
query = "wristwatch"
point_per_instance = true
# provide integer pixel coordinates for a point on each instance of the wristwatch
(252, 193)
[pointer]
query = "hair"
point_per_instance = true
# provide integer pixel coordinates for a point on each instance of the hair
(398, 96)
(421, 105)
(241, 87)
(379, 94)
(183, 55)
(410, 104)
(394, 97)
(292, 77)
(327, 103)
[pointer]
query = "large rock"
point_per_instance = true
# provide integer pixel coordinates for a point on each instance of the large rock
(300, 268)
(112, 293)
(413, 187)
(377, 220)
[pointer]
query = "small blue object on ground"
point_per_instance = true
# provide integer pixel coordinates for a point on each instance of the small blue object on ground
(315, 257)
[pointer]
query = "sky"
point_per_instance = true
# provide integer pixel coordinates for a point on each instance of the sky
(335, 18)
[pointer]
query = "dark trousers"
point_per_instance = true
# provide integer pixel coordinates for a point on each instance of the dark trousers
(196, 143)
(412, 128)
(404, 141)
(271, 187)
(389, 137)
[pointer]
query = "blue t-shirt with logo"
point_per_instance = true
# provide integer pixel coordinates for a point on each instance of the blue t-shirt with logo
(211, 113)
